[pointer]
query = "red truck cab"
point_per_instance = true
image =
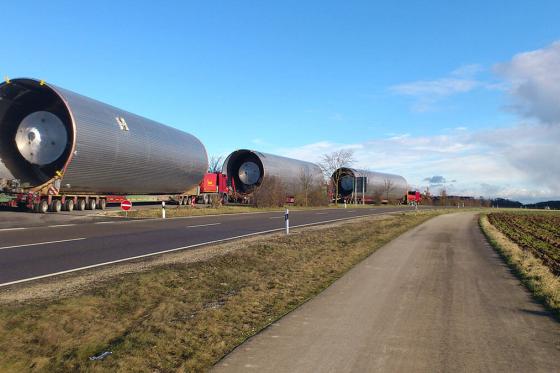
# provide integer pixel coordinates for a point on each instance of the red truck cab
(215, 182)
(413, 197)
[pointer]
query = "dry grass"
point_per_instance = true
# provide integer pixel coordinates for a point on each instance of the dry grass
(186, 315)
(538, 278)
(183, 211)
(180, 211)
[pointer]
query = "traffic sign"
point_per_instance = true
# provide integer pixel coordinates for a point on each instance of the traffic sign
(126, 205)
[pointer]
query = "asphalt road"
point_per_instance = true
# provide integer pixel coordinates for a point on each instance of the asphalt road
(28, 253)
(436, 299)
(12, 218)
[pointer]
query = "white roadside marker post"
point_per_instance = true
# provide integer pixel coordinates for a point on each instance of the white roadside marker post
(287, 219)
(163, 209)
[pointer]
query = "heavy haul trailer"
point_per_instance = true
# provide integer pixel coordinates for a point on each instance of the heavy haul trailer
(60, 150)
(362, 186)
(247, 169)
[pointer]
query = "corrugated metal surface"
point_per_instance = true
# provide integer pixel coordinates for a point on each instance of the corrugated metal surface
(376, 186)
(148, 158)
(288, 170)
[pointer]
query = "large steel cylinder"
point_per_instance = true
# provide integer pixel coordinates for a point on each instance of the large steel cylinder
(47, 133)
(371, 185)
(248, 169)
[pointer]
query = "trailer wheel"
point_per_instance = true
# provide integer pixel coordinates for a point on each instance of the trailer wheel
(56, 205)
(69, 205)
(91, 204)
(81, 206)
(102, 204)
(43, 206)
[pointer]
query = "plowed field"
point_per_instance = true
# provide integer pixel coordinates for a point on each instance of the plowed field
(538, 233)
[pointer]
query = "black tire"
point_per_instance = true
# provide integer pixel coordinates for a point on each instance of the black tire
(91, 204)
(69, 205)
(81, 205)
(55, 206)
(43, 206)
(102, 204)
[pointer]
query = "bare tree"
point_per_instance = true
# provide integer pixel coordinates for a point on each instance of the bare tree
(312, 191)
(215, 163)
(443, 196)
(377, 196)
(388, 186)
(306, 184)
(271, 193)
(427, 198)
(331, 162)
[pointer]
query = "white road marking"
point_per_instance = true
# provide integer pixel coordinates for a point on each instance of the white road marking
(176, 249)
(321, 213)
(131, 220)
(11, 229)
(105, 222)
(42, 243)
(61, 225)
(277, 217)
(202, 225)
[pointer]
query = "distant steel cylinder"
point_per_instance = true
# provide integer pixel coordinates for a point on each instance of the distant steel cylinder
(248, 169)
(370, 184)
(49, 133)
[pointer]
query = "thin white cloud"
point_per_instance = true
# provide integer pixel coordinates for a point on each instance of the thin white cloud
(468, 70)
(427, 93)
(338, 117)
(534, 83)
(440, 87)
(259, 141)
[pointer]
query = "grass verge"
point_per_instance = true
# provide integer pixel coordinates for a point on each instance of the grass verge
(536, 276)
(186, 316)
(181, 211)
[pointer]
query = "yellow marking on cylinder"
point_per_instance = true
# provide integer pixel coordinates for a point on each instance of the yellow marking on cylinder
(42, 82)
(7, 79)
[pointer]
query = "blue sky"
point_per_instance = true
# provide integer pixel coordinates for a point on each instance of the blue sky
(420, 89)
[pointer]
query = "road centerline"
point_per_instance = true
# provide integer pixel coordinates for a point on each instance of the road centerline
(202, 225)
(42, 243)
(12, 229)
